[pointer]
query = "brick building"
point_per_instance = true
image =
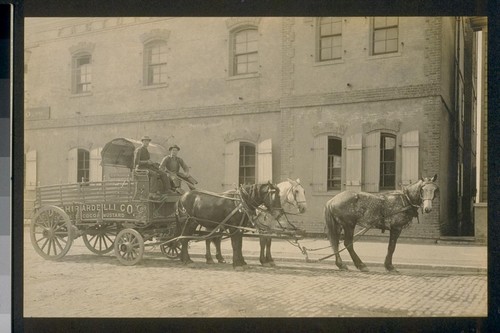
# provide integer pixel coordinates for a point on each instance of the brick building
(357, 103)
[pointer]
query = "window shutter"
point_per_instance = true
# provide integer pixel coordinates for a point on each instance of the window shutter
(72, 165)
(371, 162)
(410, 161)
(30, 180)
(265, 161)
(95, 172)
(319, 163)
(231, 165)
(354, 154)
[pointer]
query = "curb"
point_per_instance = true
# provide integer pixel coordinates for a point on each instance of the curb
(447, 268)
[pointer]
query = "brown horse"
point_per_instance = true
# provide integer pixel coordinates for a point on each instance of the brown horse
(391, 211)
(216, 212)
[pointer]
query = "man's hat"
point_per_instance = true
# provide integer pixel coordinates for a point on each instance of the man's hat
(145, 137)
(174, 146)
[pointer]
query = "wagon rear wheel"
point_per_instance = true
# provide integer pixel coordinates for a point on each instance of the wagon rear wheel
(100, 240)
(129, 247)
(171, 250)
(51, 232)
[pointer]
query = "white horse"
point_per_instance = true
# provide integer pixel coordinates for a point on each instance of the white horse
(293, 200)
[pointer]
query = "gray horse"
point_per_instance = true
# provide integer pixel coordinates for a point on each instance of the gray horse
(391, 211)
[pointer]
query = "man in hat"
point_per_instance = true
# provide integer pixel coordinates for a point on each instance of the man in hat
(172, 164)
(142, 160)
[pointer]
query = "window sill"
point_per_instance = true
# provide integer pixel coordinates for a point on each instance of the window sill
(155, 86)
(77, 95)
(243, 76)
(328, 62)
(384, 56)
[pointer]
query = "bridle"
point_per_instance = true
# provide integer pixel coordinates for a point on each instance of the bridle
(421, 197)
(295, 202)
(254, 205)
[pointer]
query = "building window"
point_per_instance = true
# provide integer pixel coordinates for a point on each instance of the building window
(334, 164)
(385, 35)
(387, 161)
(330, 38)
(155, 60)
(245, 52)
(247, 163)
(83, 165)
(82, 73)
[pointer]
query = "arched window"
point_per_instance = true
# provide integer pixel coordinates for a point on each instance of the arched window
(244, 51)
(155, 62)
(247, 163)
(329, 38)
(83, 165)
(387, 161)
(82, 73)
(334, 164)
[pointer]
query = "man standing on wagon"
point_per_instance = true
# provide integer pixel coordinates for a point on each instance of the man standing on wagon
(172, 164)
(142, 160)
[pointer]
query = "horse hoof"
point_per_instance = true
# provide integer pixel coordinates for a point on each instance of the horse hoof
(239, 268)
(343, 267)
(364, 269)
(392, 271)
(265, 264)
(210, 262)
(221, 261)
(272, 264)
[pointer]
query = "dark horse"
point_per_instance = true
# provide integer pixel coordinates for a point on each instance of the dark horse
(292, 197)
(221, 213)
(391, 211)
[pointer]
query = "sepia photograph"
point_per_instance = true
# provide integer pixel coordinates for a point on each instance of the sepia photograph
(255, 167)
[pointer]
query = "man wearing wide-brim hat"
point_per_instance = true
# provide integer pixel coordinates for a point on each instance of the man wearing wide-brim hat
(142, 160)
(172, 164)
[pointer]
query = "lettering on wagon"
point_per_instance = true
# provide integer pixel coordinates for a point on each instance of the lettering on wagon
(106, 210)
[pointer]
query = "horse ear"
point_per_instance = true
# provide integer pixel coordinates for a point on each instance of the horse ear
(298, 180)
(434, 178)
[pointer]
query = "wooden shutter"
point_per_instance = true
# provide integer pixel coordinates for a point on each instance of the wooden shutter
(354, 150)
(95, 172)
(410, 161)
(73, 165)
(231, 165)
(265, 161)
(320, 171)
(30, 180)
(371, 162)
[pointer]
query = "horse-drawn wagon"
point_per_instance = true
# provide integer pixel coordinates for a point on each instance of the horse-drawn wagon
(122, 214)
(112, 214)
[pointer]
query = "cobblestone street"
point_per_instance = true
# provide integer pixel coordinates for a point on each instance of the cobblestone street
(85, 285)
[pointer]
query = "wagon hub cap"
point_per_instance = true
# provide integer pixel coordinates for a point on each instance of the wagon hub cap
(126, 247)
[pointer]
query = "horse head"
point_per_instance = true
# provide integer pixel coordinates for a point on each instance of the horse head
(270, 196)
(292, 192)
(428, 190)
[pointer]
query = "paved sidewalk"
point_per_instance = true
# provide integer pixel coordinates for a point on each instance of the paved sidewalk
(427, 256)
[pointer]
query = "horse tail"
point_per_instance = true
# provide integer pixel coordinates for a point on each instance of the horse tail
(332, 225)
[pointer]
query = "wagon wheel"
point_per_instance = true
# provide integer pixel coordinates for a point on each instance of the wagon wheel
(171, 250)
(129, 247)
(51, 232)
(101, 239)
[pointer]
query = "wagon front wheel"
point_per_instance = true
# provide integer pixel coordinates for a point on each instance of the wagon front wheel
(129, 247)
(100, 240)
(171, 250)
(50, 232)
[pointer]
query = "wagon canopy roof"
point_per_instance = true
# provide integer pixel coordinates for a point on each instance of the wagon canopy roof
(119, 152)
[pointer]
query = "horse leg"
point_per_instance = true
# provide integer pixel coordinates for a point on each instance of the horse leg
(262, 258)
(334, 229)
(188, 231)
(208, 254)
(269, 258)
(218, 252)
(349, 244)
(237, 242)
(394, 235)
